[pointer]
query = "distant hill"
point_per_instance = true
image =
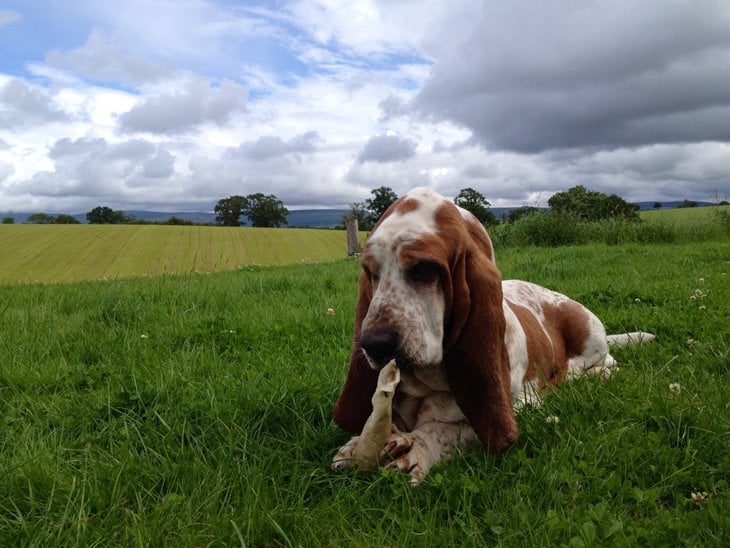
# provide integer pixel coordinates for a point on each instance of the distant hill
(315, 218)
(668, 205)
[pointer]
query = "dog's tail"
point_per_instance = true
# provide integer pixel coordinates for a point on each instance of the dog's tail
(625, 339)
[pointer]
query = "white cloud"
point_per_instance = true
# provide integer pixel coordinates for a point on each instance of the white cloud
(267, 147)
(186, 109)
(23, 105)
(103, 59)
(89, 170)
(6, 170)
(8, 17)
(159, 166)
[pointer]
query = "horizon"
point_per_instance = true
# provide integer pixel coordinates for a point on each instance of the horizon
(645, 205)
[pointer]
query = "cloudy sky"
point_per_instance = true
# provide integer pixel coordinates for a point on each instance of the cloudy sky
(173, 104)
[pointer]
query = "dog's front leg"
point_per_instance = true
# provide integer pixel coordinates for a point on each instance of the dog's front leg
(416, 452)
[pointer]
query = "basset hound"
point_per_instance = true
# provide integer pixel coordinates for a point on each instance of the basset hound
(470, 347)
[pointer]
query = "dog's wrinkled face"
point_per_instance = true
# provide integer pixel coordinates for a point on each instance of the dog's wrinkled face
(405, 319)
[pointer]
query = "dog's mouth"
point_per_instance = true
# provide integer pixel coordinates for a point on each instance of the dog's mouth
(402, 359)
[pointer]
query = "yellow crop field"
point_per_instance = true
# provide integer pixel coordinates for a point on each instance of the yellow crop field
(66, 253)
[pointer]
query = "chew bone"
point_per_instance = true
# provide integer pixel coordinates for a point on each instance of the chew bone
(377, 428)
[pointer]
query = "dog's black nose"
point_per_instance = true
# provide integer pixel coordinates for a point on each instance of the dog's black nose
(381, 345)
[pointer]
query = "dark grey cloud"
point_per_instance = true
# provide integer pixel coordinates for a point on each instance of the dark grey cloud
(268, 147)
(387, 148)
(533, 75)
(23, 105)
(185, 110)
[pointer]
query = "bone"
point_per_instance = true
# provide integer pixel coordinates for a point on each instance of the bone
(378, 426)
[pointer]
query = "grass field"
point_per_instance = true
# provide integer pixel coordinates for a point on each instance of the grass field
(68, 253)
(683, 214)
(53, 253)
(194, 410)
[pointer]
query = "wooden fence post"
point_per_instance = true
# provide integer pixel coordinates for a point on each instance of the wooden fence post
(353, 240)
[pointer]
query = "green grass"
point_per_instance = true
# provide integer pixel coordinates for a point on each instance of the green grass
(195, 409)
(52, 253)
(683, 214)
(68, 253)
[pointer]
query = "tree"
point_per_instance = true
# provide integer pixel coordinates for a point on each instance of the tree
(8, 221)
(474, 202)
(520, 212)
(265, 210)
(382, 199)
(687, 203)
(66, 220)
(613, 206)
(41, 219)
(177, 221)
(657, 205)
(106, 215)
(589, 205)
(359, 211)
(228, 210)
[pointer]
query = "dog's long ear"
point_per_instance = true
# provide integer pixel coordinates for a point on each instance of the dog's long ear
(353, 407)
(476, 360)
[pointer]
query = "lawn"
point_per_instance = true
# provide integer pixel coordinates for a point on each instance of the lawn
(194, 409)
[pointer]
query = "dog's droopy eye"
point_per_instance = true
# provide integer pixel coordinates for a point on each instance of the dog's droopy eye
(424, 272)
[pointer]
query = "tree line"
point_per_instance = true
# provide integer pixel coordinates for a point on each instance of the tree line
(577, 202)
(262, 210)
(268, 211)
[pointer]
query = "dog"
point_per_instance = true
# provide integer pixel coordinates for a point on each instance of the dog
(470, 347)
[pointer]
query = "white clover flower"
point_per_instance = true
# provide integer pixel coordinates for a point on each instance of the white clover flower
(699, 497)
(690, 342)
(701, 280)
(702, 307)
(552, 419)
(330, 311)
(143, 336)
(675, 388)
(637, 300)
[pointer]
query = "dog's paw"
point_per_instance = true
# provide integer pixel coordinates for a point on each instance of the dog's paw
(409, 454)
(344, 456)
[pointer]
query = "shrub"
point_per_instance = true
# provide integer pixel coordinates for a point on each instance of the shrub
(723, 216)
(541, 229)
(553, 229)
(589, 205)
(620, 231)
